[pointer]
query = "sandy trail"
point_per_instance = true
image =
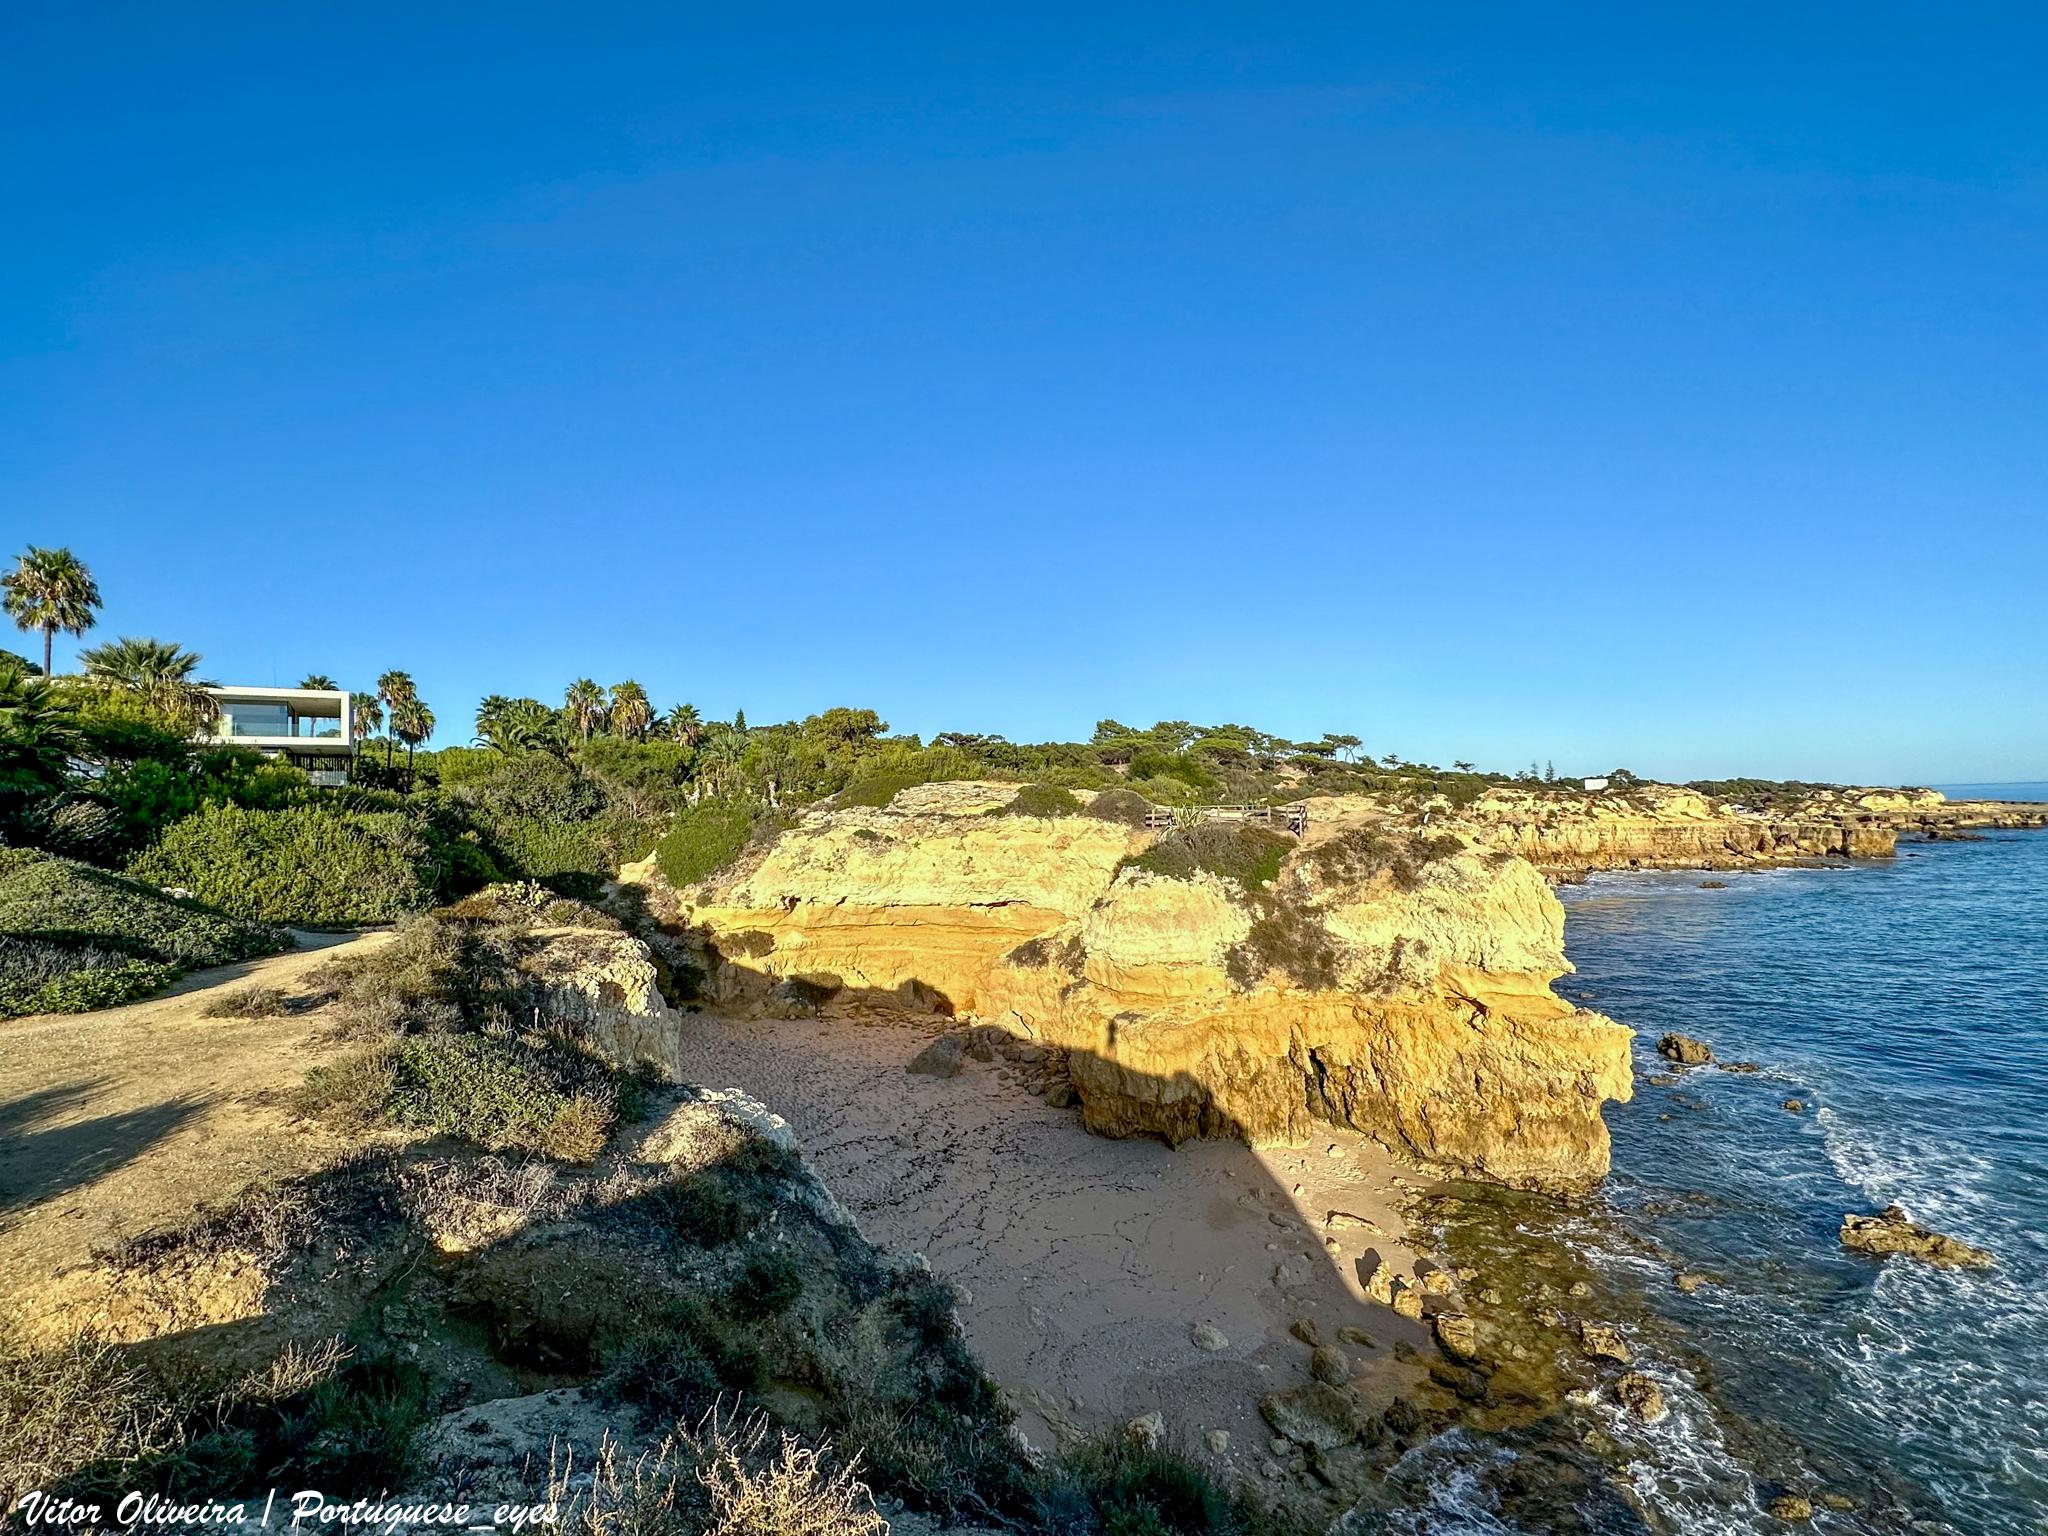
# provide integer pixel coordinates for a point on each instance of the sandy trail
(1085, 1263)
(115, 1121)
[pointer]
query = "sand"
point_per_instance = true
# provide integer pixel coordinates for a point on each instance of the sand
(1085, 1265)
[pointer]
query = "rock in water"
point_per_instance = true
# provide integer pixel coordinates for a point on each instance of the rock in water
(1685, 1050)
(944, 1057)
(1457, 1336)
(1605, 1342)
(1641, 1396)
(1791, 1507)
(1893, 1231)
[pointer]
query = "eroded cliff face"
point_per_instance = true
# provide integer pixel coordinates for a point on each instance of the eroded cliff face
(1661, 826)
(1405, 993)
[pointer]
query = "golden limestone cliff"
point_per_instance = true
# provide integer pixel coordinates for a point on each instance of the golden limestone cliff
(1665, 826)
(1246, 984)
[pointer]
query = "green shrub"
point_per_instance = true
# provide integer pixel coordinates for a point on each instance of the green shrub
(704, 1213)
(498, 1092)
(1122, 1489)
(1235, 850)
(682, 1363)
(878, 789)
(1042, 800)
(1123, 805)
(75, 938)
(311, 865)
(1357, 856)
(1288, 938)
(768, 1286)
(704, 839)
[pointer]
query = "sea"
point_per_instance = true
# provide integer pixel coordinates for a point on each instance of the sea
(1902, 1005)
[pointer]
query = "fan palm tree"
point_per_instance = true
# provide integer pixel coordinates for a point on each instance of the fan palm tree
(394, 688)
(586, 706)
(159, 672)
(684, 724)
(412, 723)
(49, 590)
(37, 736)
(366, 714)
(319, 680)
(631, 712)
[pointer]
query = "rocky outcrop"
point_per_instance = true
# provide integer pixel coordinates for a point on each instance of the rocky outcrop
(1663, 826)
(1398, 985)
(1893, 1231)
(606, 988)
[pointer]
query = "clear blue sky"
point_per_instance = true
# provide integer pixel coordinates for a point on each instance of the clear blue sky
(1559, 383)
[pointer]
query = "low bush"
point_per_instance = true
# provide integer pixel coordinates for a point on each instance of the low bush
(682, 1362)
(705, 1213)
(1042, 800)
(876, 790)
(74, 938)
(1123, 805)
(248, 1003)
(69, 1411)
(351, 1092)
(1361, 854)
(1288, 938)
(768, 1286)
(1235, 850)
(1119, 1488)
(312, 866)
(703, 840)
(720, 1477)
(501, 1092)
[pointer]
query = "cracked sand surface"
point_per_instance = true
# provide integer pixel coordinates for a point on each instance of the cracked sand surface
(1085, 1264)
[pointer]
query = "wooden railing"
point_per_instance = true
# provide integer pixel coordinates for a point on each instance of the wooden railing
(1288, 818)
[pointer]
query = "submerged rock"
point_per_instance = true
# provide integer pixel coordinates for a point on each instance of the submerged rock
(1893, 1231)
(1685, 1050)
(1791, 1507)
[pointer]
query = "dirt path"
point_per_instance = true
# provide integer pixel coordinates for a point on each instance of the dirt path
(1085, 1264)
(113, 1122)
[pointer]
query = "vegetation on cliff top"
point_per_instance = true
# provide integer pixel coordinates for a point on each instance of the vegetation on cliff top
(74, 938)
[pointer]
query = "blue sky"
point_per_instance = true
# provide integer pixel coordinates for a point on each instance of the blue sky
(1561, 384)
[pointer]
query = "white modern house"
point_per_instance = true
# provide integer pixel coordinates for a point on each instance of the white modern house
(311, 728)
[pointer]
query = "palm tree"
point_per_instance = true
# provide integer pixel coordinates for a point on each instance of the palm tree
(49, 590)
(684, 724)
(585, 702)
(159, 672)
(366, 714)
(412, 723)
(490, 720)
(630, 710)
(37, 735)
(394, 688)
(320, 681)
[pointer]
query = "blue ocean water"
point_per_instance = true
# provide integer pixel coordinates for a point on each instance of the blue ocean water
(1905, 1004)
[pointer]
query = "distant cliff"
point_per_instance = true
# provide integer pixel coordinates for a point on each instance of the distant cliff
(1663, 826)
(1219, 980)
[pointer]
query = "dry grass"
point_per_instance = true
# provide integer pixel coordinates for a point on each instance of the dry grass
(67, 1409)
(730, 1476)
(351, 1091)
(248, 1003)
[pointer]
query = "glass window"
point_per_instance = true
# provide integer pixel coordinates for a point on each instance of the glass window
(258, 719)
